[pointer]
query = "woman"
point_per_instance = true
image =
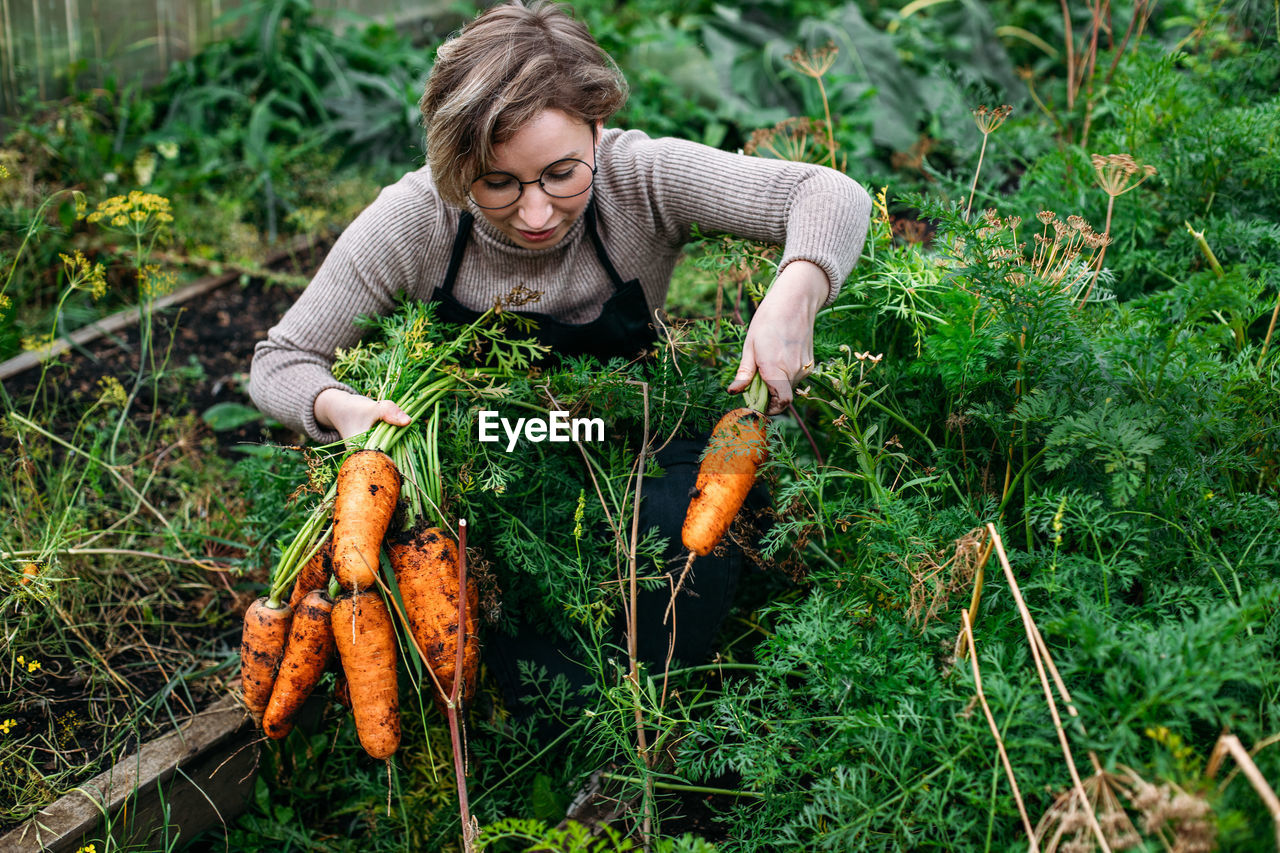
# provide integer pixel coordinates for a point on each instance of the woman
(525, 186)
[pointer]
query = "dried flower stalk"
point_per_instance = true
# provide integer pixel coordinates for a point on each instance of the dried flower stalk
(987, 120)
(1116, 173)
(816, 63)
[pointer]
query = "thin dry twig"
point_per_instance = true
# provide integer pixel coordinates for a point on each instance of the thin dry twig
(1229, 743)
(642, 746)
(995, 732)
(1037, 656)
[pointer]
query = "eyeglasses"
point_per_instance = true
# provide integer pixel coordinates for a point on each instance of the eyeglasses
(562, 179)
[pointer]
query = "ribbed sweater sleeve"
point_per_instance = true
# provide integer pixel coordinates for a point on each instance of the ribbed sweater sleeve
(379, 254)
(815, 213)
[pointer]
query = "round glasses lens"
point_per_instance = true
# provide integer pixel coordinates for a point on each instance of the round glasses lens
(495, 189)
(566, 178)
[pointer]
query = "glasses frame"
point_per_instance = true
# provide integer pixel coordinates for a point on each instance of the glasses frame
(538, 180)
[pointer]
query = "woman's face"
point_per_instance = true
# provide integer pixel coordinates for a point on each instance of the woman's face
(537, 220)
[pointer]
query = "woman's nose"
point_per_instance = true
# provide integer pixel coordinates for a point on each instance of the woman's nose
(535, 208)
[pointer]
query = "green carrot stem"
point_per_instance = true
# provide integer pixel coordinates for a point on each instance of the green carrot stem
(304, 546)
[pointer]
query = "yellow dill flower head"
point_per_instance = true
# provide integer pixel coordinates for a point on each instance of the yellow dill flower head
(4, 173)
(85, 276)
(136, 214)
(34, 343)
(111, 392)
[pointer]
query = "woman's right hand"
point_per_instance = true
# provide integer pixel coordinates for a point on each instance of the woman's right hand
(351, 414)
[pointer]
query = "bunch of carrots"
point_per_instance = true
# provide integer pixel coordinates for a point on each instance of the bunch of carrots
(327, 601)
(336, 607)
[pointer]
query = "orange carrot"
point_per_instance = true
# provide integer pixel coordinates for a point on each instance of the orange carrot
(315, 574)
(306, 656)
(367, 490)
(366, 642)
(426, 567)
(261, 646)
(735, 450)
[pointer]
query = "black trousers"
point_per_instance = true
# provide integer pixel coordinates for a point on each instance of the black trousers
(704, 600)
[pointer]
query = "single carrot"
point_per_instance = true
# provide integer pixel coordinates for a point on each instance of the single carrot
(736, 448)
(368, 487)
(262, 642)
(366, 642)
(315, 574)
(306, 656)
(426, 567)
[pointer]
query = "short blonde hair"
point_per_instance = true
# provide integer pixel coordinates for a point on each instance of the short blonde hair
(502, 70)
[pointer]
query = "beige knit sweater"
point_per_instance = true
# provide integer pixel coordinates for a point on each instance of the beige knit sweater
(649, 192)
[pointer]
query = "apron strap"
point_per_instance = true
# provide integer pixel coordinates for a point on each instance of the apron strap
(459, 247)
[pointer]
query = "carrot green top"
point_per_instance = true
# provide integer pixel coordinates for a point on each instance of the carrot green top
(649, 193)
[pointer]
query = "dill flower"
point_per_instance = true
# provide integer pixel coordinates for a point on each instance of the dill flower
(111, 392)
(82, 275)
(144, 167)
(988, 119)
(154, 282)
(136, 214)
(787, 140)
(1115, 171)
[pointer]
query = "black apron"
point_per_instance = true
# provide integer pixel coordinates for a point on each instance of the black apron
(624, 327)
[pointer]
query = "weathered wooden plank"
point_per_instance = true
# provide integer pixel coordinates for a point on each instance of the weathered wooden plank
(185, 782)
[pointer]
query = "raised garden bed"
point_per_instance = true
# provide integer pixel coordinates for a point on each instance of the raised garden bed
(176, 786)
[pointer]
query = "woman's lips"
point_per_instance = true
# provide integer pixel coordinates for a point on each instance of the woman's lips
(536, 236)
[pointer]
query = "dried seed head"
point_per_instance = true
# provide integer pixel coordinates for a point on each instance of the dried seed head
(1046, 216)
(814, 63)
(1094, 240)
(1116, 172)
(787, 140)
(990, 119)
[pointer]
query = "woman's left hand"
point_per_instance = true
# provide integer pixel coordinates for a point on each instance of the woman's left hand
(779, 342)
